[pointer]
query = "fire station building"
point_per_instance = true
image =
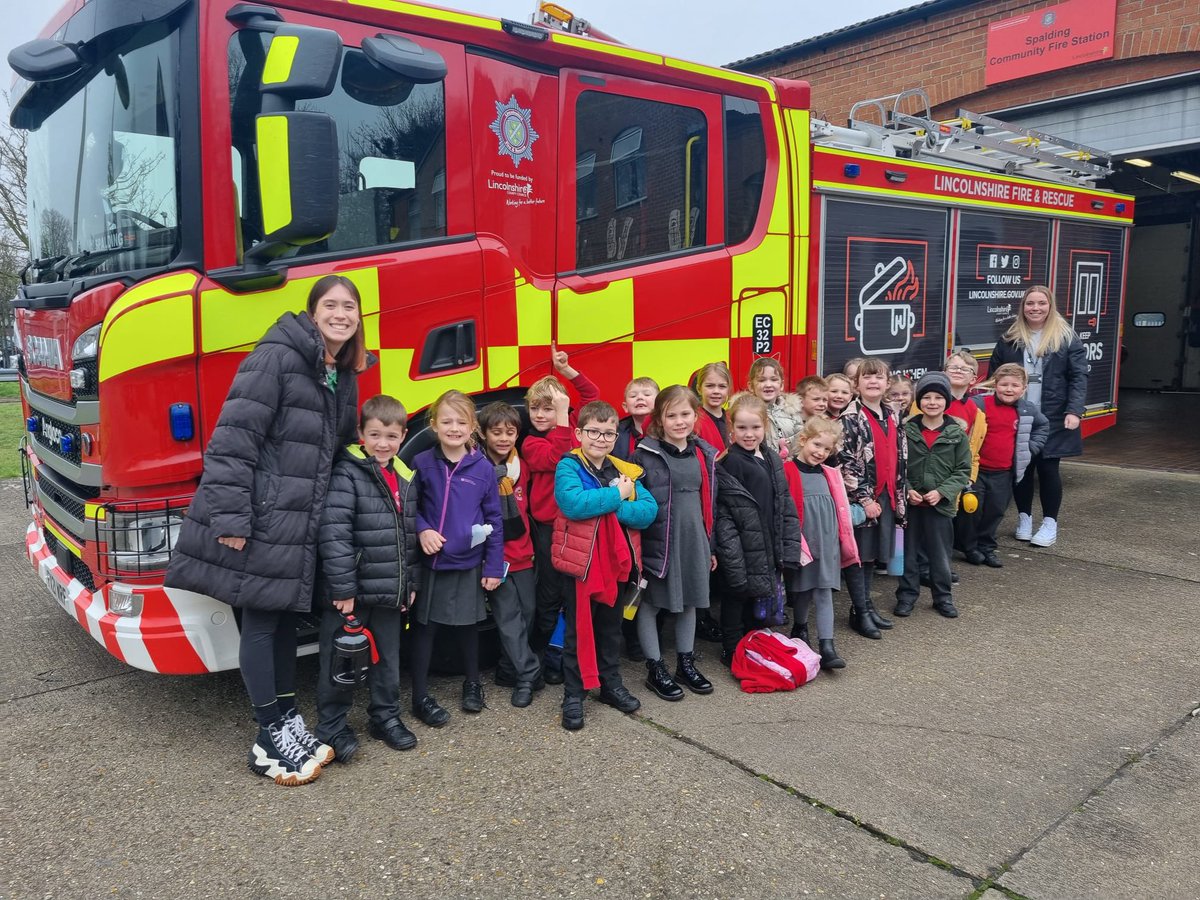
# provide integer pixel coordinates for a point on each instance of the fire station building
(1122, 76)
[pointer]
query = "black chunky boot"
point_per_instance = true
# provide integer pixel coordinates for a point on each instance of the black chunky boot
(687, 673)
(829, 655)
(661, 682)
(800, 630)
(858, 584)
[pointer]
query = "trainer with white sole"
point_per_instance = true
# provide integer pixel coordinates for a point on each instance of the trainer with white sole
(249, 537)
(1042, 342)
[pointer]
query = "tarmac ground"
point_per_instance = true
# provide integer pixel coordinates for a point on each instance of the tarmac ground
(1041, 745)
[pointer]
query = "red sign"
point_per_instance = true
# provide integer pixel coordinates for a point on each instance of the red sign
(1056, 37)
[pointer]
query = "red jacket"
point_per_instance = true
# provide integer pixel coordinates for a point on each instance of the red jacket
(519, 553)
(541, 452)
(766, 661)
(837, 490)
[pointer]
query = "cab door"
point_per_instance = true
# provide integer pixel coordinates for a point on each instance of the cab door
(405, 231)
(644, 281)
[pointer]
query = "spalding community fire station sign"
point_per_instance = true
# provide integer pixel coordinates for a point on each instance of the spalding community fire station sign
(1057, 37)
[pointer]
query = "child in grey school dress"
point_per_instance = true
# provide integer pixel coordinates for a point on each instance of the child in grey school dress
(677, 553)
(825, 524)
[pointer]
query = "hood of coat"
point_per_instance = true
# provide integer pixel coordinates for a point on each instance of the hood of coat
(357, 454)
(298, 332)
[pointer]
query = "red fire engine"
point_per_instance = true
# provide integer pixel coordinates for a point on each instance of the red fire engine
(492, 187)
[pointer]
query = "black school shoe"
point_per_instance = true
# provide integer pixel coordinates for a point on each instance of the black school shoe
(619, 698)
(572, 712)
(947, 609)
(430, 712)
(522, 694)
(472, 698)
(393, 733)
(992, 561)
(974, 557)
(344, 744)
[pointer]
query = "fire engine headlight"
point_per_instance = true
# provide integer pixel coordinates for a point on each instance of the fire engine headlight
(141, 542)
(87, 345)
(123, 600)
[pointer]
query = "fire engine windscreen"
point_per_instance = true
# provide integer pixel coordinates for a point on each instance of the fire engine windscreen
(102, 168)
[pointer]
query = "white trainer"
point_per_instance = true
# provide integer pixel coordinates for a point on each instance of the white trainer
(1024, 527)
(1046, 535)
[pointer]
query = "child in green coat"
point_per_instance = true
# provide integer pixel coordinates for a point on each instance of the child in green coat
(939, 469)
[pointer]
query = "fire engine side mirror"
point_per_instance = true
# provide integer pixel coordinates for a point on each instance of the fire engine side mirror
(297, 150)
(297, 180)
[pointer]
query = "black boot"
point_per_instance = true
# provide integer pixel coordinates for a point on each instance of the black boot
(878, 618)
(687, 672)
(661, 682)
(800, 630)
(829, 655)
(858, 584)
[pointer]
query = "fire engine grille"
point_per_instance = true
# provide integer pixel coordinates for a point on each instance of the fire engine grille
(79, 569)
(48, 487)
(91, 388)
(48, 437)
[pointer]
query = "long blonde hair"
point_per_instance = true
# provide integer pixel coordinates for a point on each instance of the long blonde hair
(1057, 333)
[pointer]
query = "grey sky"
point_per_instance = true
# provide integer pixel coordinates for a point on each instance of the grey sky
(708, 31)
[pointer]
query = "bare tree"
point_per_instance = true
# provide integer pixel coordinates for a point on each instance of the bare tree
(14, 225)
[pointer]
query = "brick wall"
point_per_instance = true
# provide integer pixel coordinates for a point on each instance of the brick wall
(945, 54)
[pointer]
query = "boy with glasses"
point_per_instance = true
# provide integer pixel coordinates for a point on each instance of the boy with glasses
(599, 502)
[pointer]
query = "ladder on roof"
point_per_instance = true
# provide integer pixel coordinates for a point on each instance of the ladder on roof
(982, 140)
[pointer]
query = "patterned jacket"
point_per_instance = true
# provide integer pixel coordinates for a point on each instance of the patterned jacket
(857, 458)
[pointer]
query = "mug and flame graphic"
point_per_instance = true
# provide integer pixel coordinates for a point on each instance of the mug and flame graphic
(885, 316)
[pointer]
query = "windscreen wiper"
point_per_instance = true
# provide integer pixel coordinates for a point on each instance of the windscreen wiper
(82, 263)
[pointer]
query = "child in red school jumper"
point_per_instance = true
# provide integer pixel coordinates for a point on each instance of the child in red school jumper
(638, 404)
(462, 535)
(839, 394)
(1016, 433)
(595, 542)
(713, 384)
(677, 548)
(757, 531)
(514, 601)
(872, 458)
(551, 436)
(824, 510)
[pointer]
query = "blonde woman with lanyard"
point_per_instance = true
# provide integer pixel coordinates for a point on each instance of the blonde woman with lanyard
(1046, 346)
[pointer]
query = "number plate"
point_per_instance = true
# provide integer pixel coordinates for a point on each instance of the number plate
(764, 334)
(58, 591)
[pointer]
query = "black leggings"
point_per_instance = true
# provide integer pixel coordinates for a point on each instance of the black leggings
(267, 655)
(1049, 481)
(422, 654)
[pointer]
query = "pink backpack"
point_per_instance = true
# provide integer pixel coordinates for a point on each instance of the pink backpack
(766, 661)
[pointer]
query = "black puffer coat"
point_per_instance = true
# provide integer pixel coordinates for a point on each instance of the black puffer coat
(1064, 390)
(266, 471)
(657, 479)
(369, 550)
(748, 565)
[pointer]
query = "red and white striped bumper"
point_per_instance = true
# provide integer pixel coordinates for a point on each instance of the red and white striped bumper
(177, 632)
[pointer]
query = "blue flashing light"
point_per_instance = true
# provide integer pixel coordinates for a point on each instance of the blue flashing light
(1120, 207)
(851, 170)
(183, 426)
(67, 444)
(32, 425)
